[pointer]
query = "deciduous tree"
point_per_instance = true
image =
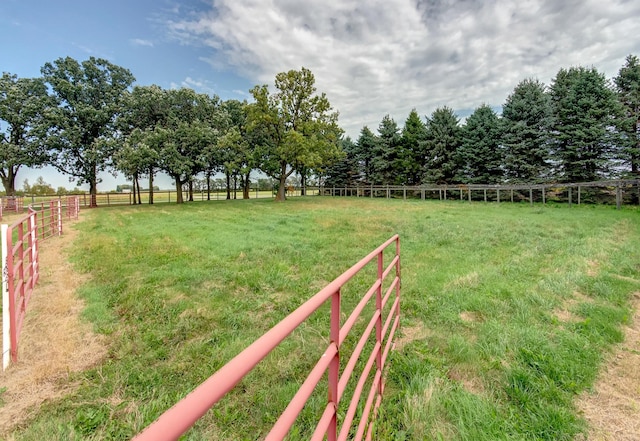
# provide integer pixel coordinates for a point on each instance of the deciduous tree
(90, 97)
(23, 104)
(295, 126)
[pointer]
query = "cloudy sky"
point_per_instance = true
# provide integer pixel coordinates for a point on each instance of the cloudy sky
(372, 57)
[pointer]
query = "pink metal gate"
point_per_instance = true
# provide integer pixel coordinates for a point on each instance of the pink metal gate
(20, 264)
(21, 272)
(178, 419)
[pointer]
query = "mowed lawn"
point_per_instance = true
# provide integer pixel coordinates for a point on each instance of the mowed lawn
(508, 311)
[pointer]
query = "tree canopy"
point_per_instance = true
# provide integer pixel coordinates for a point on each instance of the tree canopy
(23, 105)
(295, 127)
(84, 118)
(83, 126)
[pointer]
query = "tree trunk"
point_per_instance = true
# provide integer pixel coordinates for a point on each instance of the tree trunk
(303, 184)
(93, 186)
(136, 189)
(282, 188)
(93, 193)
(150, 185)
(228, 176)
(179, 199)
(245, 186)
(235, 187)
(208, 186)
(8, 181)
(191, 190)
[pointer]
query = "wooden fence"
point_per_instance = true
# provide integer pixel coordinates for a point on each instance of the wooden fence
(616, 192)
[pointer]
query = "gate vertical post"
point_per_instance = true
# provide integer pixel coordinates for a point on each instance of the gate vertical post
(59, 211)
(33, 264)
(6, 336)
(334, 366)
(379, 319)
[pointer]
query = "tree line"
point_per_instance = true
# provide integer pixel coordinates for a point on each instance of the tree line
(580, 128)
(85, 118)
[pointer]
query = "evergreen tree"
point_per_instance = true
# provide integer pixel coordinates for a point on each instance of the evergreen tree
(387, 163)
(412, 153)
(443, 139)
(344, 173)
(480, 152)
(365, 151)
(628, 88)
(584, 116)
(526, 118)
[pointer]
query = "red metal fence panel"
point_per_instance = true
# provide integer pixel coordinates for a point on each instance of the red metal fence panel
(178, 419)
(21, 265)
(11, 204)
(20, 274)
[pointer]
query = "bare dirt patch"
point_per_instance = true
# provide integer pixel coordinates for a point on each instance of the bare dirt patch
(612, 408)
(54, 341)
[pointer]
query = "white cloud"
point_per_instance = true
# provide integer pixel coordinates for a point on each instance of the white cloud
(389, 56)
(200, 86)
(141, 42)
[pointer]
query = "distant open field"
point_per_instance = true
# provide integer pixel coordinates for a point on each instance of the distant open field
(508, 311)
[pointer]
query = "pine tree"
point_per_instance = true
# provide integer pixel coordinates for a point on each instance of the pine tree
(584, 110)
(344, 173)
(525, 119)
(628, 88)
(443, 138)
(480, 152)
(412, 153)
(365, 151)
(387, 162)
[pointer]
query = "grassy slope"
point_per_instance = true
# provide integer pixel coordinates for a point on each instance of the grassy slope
(507, 310)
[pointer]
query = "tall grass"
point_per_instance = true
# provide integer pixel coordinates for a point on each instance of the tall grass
(507, 311)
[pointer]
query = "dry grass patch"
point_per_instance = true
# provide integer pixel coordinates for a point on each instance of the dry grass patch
(468, 378)
(54, 341)
(471, 280)
(410, 334)
(565, 314)
(471, 317)
(612, 408)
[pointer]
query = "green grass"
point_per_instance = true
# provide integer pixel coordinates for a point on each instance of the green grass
(485, 355)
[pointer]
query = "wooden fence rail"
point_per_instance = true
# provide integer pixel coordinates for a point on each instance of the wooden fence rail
(616, 191)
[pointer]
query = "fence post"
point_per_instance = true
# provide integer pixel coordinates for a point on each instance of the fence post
(544, 195)
(570, 196)
(618, 196)
(6, 337)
